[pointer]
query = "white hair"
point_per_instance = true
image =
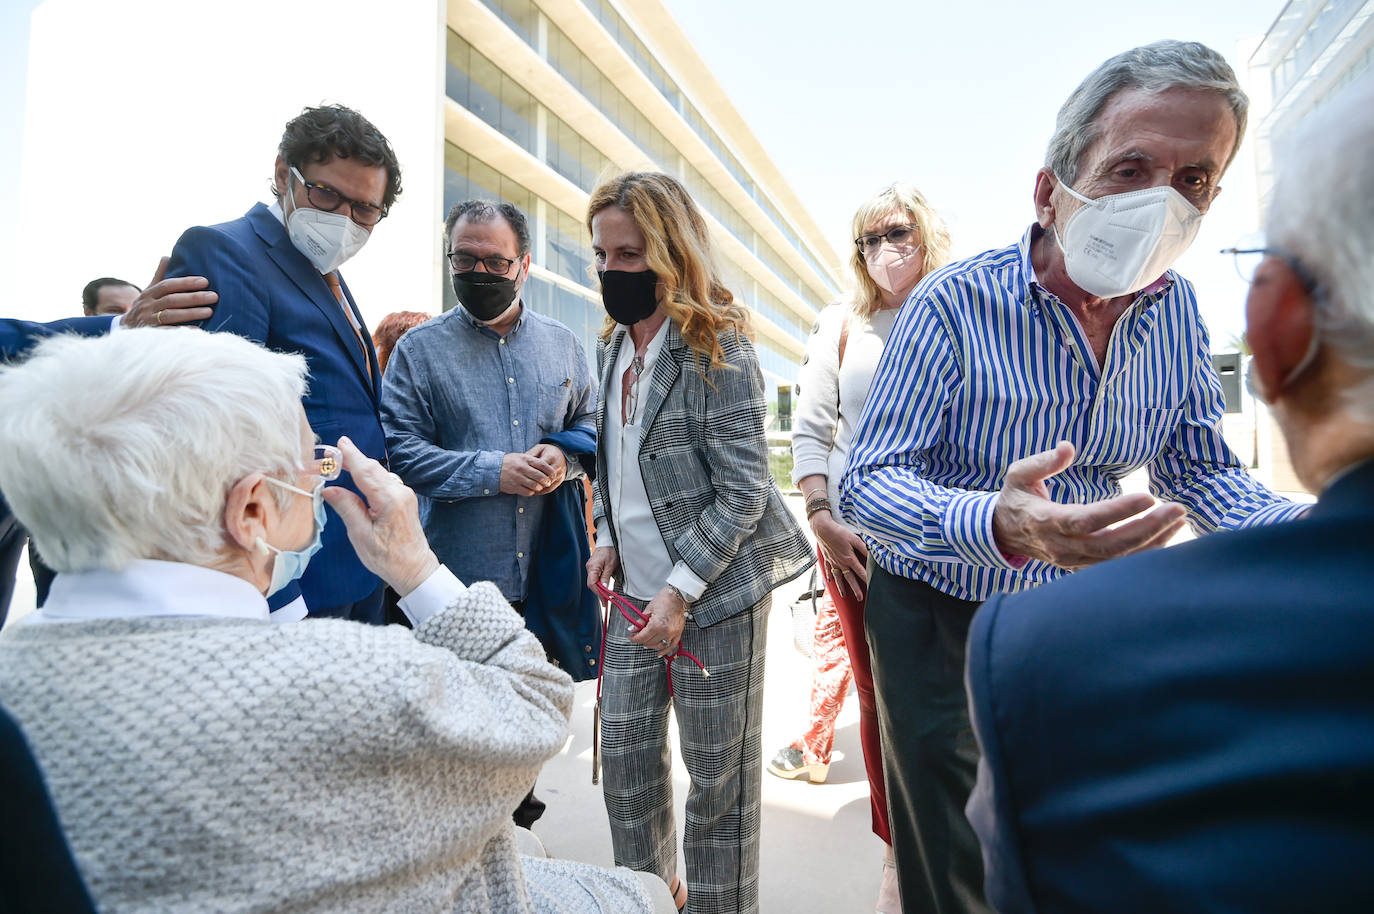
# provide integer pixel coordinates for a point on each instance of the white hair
(125, 446)
(1321, 214)
(1155, 67)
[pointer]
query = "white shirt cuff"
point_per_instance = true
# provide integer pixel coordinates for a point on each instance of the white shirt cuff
(114, 325)
(294, 611)
(686, 580)
(439, 591)
(603, 532)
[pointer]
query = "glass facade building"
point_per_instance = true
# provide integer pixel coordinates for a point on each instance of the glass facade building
(546, 98)
(1313, 49)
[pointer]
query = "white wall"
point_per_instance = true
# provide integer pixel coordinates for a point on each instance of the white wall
(145, 117)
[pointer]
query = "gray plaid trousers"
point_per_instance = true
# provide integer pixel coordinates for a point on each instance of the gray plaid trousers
(720, 721)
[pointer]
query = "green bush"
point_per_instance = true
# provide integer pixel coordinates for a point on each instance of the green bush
(780, 465)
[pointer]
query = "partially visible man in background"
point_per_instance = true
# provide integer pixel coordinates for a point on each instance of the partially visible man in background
(108, 296)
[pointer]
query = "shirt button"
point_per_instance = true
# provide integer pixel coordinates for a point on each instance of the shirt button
(516, 422)
(519, 555)
(503, 341)
(486, 491)
(510, 380)
(519, 510)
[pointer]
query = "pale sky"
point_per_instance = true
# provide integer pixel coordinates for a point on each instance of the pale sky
(847, 97)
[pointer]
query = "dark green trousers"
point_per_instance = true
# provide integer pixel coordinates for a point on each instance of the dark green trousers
(916, 638)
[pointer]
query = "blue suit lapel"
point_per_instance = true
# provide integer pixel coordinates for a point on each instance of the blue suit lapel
(301, 272)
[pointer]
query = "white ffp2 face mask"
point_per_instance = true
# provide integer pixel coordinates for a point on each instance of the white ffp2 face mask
(327, 240)
(1123, 242)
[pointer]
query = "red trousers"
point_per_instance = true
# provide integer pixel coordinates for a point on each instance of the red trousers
(841, 653)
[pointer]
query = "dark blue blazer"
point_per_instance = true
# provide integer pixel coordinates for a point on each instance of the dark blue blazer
(560, 610)
(1188, 729)
(17, 336)
(270, 293)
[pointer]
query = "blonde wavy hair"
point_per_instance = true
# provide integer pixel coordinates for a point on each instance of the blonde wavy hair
(677, 247)
(896, 199)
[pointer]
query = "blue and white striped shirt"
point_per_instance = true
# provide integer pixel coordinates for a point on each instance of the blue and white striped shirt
(984, 366)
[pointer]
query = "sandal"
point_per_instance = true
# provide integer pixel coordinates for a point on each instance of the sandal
(679, 892)
(788, 763)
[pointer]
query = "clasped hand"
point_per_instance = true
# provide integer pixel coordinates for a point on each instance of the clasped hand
(540, 469)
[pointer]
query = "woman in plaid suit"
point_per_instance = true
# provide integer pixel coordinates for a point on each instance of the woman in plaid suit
(695, 532)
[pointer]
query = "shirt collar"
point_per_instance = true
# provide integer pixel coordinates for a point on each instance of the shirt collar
(1035, 291)
(276, 210)
(148, 588)
(478, 325)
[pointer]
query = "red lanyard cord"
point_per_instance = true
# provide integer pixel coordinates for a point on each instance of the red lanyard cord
(637, 620)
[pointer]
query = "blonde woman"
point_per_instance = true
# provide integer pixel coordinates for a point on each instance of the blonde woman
(898, 239)
(694, 531)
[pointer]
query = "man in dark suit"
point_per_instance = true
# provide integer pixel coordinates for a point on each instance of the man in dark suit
(1192, 729)
(276, 270)
(166, 303)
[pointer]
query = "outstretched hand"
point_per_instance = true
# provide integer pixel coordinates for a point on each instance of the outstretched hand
(383, 525)
(168, 302)
(1028, 522)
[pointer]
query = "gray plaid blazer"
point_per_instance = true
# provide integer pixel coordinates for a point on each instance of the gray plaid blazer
(705, 464)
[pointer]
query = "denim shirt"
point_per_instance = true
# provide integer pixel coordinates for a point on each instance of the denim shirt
(456, 398)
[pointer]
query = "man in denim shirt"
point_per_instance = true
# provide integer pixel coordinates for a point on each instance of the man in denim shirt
(468, 397)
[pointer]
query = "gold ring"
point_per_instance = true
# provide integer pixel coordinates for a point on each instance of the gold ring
(159, 317)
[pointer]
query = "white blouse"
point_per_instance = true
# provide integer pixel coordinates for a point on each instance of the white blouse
(645, 565)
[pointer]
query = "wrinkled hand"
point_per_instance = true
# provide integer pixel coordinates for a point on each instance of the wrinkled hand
(522, 474)
(603, 563)
(553, 455)
(385, 529)
(168, 302)
(845, 555)
(667, 618)
(1027, 522)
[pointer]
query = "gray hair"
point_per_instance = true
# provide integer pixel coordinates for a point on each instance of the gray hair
(1320, 214)
(125, 446)
(481, 211)
(1154, 67)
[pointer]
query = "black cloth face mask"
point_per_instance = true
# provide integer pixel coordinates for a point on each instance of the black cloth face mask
(484, 295)
(629, 297)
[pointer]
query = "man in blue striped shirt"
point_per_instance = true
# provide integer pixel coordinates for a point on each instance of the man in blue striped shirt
(1016, 390)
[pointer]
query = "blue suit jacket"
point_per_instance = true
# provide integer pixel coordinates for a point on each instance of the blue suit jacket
(270, 293)
(17, 336)
(1189, 729)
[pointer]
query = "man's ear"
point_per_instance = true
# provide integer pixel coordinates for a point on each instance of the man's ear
(281, 172)
(1279, 324)
(247, 511)
(1045, 183)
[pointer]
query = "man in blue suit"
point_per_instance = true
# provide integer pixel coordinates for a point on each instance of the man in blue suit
(1192, 729)
(276, 272)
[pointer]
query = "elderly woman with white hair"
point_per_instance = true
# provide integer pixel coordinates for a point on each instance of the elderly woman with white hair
(203, 757)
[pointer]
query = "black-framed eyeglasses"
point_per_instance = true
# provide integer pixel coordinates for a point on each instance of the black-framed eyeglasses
(325, 198)
(464, 262)
(898, 234)
(1247, 261)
